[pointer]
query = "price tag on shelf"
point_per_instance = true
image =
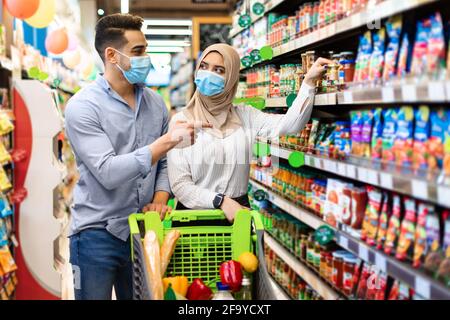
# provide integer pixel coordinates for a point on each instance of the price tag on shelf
(422, 287)
(386, 181)
(351, 171)
(380, 262)
(307, 160)
(436, 91)
(362, 174)
(409, 93)
(443, 194)
(363, 252)
(318, 163)
(447, 89)
(330, 165)
(348, 97)
(419, 189)
(388, 94)
(372, 177)
(342, 169)
(343, 242)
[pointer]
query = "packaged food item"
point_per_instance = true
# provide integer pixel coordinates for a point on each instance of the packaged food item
(421, 135)
(446, 162)
(370, 223)
(380, 293)
(403, 60)
(7, 264)
(443, 273)
(403, 144)
(359, 203)
(362, 283)
(383, 222)
(439, 122)
(393, 231)
(436, 48)
(394, 30)
(3, 234)
(363, 58)
(377, 57)
(399, 291)
(313, 135)
(4, 154)
(349, 267)
(419, 55)
(433, 255)
(405, 247)
(5, 184)
(377, 134)
(356, 132)
(389, 131)
(420, 246)
(372, 283)
(6, 126)
(335, 198)
(366, 134)
(153, 265)
(168, 248)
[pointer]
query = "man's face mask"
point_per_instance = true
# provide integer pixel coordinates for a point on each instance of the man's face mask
(140, 68)
(209, 83)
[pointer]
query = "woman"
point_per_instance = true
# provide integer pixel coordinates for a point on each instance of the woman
(214, 172)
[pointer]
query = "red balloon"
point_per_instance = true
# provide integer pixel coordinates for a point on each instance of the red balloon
(22, 9)
(57, 41)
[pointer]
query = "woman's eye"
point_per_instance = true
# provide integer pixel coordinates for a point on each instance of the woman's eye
(220, 71)
(203, 67)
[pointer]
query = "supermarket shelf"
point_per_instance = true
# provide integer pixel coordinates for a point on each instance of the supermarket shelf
(424, 285)
(303, 271)
(424, 187)
(280, 294)
(367, 17)
(270, 5)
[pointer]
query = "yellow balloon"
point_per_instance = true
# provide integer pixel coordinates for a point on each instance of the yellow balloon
(72, 59)
(44, 16)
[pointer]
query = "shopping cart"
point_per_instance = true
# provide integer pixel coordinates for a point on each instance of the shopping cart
(206, 240)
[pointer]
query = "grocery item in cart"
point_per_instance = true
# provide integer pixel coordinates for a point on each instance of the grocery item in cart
(231, 275)
(403, 145)
(7, 263)
(153, 265)
(384, 220)
(439, 123)
(394, 30)
(377, 57)
(420, 245)
(393, 231)
(377, 134)
(421, 136)
(371, 218)
(405, 246)
(198, 290)
(419, 56)
(436, 48)
(168, 248)
(390, 117)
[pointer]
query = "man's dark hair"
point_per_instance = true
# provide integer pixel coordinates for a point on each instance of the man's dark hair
(110, 31)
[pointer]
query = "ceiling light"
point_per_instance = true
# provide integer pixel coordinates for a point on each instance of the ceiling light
(125, 6)
(166, 22)
(172, 32)
(164, 49)
(173, 43)
(101, 12)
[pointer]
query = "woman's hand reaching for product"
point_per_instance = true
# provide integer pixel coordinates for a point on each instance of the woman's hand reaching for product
(230, 207)
(316, 72)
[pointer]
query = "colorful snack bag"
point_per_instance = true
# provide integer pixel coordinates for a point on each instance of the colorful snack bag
(419, 56)
(393, 226)
(436, 48)
(421, 135)
(389, 131)
(363, 58)
(313, 135)
(370, 223)
(332, 209)
(405, 247)
(377, 58)
(3, 233)
(362, 283)
(394, 30)
(7, 264)
(433, 256)
(384, 220)
(399, 291)
(359, 204)
(366, 134)
(403, 145)
(356, 123)
(443, 272)
(403, 59)
(439, 123)
(377, 134)
(420, 247)
(382, 287)
(446, 162)
(372, 283)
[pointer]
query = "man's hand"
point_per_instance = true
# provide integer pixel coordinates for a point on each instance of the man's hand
(183, 134)
(230, 207)
(162, 209)
(316, 72)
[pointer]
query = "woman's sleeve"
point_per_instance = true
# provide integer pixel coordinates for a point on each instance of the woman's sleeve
(184, 189)
(298, 115)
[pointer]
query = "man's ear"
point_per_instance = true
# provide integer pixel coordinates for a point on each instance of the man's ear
(110, 55)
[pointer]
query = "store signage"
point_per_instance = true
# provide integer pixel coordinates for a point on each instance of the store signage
(258, 8)
(324, 235)
(245, 21)
(260, 195)
(246, 61)
(256, 56)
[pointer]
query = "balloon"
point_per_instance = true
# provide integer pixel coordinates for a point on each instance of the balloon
(72, 59)
(57, 41)
(44, 15)
(73, 42)
(22, 9)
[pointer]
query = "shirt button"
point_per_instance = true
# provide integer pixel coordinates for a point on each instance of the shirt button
(139, 185)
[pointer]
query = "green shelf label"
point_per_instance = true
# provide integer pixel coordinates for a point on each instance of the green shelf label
(266, 53)
(324, 235)
(255, 56)
(34, 72)
(290, 99)
(258, 8)
(245, 21)
(296, 159)
(259, 195)
(247, 61)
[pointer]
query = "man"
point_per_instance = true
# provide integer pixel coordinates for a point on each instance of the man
(120, 136)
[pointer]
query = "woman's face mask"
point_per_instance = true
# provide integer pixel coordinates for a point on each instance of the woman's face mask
(140, 68)
(209, 83)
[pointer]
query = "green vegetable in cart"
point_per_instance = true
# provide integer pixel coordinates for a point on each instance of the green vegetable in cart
(198, 290)
(170, 293)
(231, 275)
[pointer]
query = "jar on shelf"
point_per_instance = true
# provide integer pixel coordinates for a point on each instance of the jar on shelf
(310, 250)
(350, 263)
(337, 273)
(317, 256)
